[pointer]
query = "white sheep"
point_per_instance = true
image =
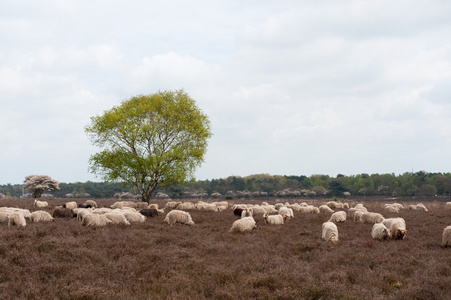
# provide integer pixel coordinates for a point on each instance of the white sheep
(95, 220)
(243, 225)
(446, 239)
(273, 219)
(117, 218)
(258, 210)
(325, 209)
(330, 232)
(4, 217)
(17, 219)
(448, 205)
(41, 216)
(134, 217)
(421, 207)
(380, 232)
(71, 205)
(178, 216)
(270, 209)
(186, 206)
(397, 227)
(81, 212)
(204, 206)
(361, 207)
(40, 204)
(371, 217)
(391, 209)
(92, 203)
(337, 217)
(358, 216)
(247, 212)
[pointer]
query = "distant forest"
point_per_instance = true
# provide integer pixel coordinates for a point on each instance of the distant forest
(410, 184)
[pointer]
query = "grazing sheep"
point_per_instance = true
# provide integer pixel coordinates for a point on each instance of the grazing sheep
(258, 210)
(247, 212)
(243, 225)
(92, 203)
(134, 217)
(95, 220)
(448, 205)
(117, 218)
(70, 205)
(421, 207)
(332, 204)
(446, 240)
(397, 227)
(273, 219)
(361, 207)
(178, 216)
(270, 209)
(17, 219)
(371, 217)
(380, 232)
(186, 206)
(149, 212)
(330, 232)
(391, 209)
(41, 216)
(204, 206)
(358, 216)
(325, 209)
(286, 213)
(81, 213)
(40, 204)
(63, 213)
(141, 205)
(399, 206)
(412, 207)
(84, 205)
(352, 211)
(337, 217)
(172, 205)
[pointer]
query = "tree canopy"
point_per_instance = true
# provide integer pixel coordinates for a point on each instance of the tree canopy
(37, 184)
(150, 140)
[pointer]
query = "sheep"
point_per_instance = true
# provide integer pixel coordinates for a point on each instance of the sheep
(83, 205)
(243, 225)
(172, 205)
(95, 220)
(448, 205)
(134, 217)
(141, 205)
(314, 209)
(186, 206)
(358, 216)
(273, 219)
(70, 205)
(330, 232)
(204, 206)
(446, 239)
(17, 219)
(149, 212)
(421, 207)
(102, 210)
(361, 207)
(380, 232)
(332, 204)
(397, 205)
(63, 213)
(397, 227)
(412, 207)
(40, 204)
(178, 216)
(270, 209)
(41, 216)
(337, 217)
(258, 210)
(92, 203)
(352, 211)
(82, 212)
(391, 209)
(117, 218)
(153, 205)
(247, 213)
(286, 212)
(325, 209)
(371, 217)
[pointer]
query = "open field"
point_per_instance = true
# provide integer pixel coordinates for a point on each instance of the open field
(65, 260)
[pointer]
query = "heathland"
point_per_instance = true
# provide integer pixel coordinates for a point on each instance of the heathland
(152, 260)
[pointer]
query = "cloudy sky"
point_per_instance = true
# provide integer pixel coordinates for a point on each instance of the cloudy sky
(291, 87)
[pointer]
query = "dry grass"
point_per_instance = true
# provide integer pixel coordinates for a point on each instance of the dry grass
(64, 260)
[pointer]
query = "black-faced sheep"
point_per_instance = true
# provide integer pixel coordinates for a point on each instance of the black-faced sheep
(149, 212)
(243, 225)
(446, 239)
(329, 232)
(380, 232)
(178, 216)
(397, 227)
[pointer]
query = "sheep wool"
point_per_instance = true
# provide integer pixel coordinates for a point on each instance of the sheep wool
(17, 219)
(4, 217)
(134, 217)
(117, 218)
(95, 220)
(92, 203)
(71, 205)
(397, 227)
(371, 217)
(448, 205)
(40, 204)
(247, 212)
(391, 209)
(243, 225)
(186, 206)
(178, 216)
(380, 232)
(41, 216)
(330, 232)
(325, 209)
(338, 217)
(446, 240)
(273, 219)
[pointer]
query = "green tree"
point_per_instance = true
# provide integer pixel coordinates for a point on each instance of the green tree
(149, 141)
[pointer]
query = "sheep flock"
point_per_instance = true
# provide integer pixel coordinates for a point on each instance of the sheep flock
(244, 217)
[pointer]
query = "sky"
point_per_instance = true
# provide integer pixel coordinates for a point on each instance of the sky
(290, 87)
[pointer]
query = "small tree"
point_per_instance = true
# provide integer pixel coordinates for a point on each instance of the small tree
(149, 141)
(37, 184)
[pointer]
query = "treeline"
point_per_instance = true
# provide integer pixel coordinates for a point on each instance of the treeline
(408, 184)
